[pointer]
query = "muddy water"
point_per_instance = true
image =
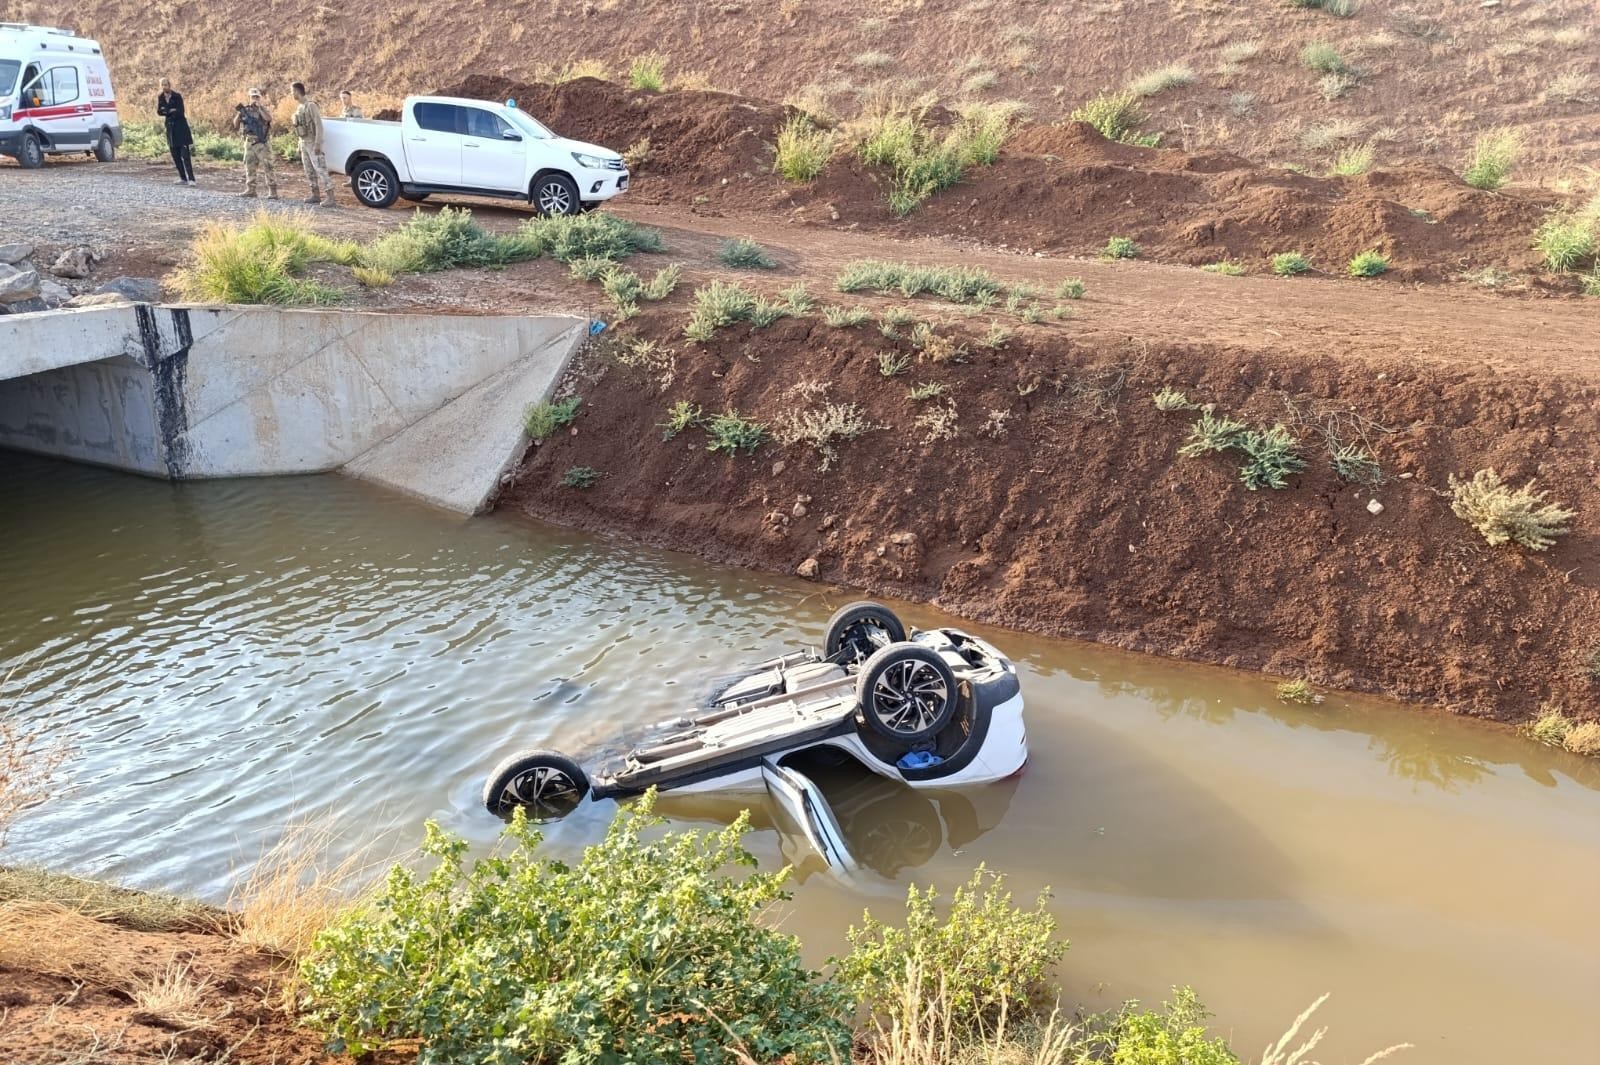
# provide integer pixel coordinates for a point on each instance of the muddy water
(225, 657)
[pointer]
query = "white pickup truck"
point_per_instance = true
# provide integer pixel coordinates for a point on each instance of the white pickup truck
(447, 145)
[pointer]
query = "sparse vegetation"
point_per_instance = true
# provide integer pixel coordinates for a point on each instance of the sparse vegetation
(1355, 464)
(733, 433)
(1323, 58)
(1555, 728)
(580, 477)
(543, 419)
(1120, 248)
(935, 347)
(938, 423)
(1170, 399)
(261, 262)
(1367, 264)
(596, 235)
(626, 289)
(1502, 515)
(1211, 432)
(717, 305)
(893, 363)
(1353, 162)
(925, 159)
(824, 427)
(1493, 156)
(1071, 289)
(444, 240)
(1270, 456)
(680, 416)
(1226, 267)
(1118, 117)
(28, 765)
(372, 277)
(873, 60)
(845, 317)
(1566, 240)
(957, 284)
(648, 73)
(1298, 691)
(635, 155)
(1290, 263)
(802, 150)
(894, 320)
(1157, 81)
(995, 338)
(926, 390)
(745, 254)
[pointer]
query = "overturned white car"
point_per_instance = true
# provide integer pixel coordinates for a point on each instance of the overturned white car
(936, 709)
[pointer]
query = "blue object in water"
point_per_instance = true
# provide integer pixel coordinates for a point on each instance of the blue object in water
(919, 760)
(596, 327)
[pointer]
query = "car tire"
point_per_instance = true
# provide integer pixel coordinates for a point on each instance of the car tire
(30, 153)
(374, 183)
(105, 149)
(857, 630)
(906, 693)
(555, 194)
(547, 784)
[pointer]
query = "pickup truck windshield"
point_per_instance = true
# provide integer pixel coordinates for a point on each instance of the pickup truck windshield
(8, 75)
(529, 124)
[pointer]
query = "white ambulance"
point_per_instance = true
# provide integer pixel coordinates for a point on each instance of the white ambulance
(55, 95)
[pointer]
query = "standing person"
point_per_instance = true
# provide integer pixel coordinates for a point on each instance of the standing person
(347, 106)
(180, 140)
(253, 121)
(307, 123)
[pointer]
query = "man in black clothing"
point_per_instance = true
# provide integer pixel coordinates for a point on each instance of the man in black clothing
(180, 141)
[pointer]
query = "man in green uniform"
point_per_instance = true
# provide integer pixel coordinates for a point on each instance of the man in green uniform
(307, 123)
(347, 103)
(255, 123)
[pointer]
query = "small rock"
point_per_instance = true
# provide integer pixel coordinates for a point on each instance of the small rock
(27, 306)
(799, 510)
(18, 284)
(74, 262)
(881, 550)
(803, 499)
(12, 254)
(808, 568)
(136, 289)
(1374, 507)
(53, 292)
(778, 468)
(1407, 476)
(903, 538)
(827, 522)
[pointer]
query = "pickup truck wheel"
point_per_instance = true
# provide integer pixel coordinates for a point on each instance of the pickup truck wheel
(374, 183)
(906, 693)
(31, 153)
(105, 149)
(547, 784)
(556, 194)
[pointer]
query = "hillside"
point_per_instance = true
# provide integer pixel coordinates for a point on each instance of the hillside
(1422, 78)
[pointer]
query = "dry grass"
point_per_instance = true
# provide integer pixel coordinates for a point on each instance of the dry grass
(28, 767)
(141, 911)
(1291, 1049)
(294, 891)
(176, 996)
(922, 1030)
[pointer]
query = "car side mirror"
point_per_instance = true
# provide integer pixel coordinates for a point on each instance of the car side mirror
(511, 135)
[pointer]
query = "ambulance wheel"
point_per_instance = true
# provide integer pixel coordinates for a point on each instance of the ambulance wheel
(30, 153)
(906, 693)
(374, 183)
(555, 194)
(105, 149)
(856, 630)
(546, 784)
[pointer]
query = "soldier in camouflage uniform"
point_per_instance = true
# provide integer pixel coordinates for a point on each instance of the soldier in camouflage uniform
(348, 108)
(307, 123)
(255, 123)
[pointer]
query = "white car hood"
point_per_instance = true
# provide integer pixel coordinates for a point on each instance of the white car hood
(583, 148)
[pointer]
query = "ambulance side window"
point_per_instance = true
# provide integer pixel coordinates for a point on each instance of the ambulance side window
(64, 85)
(32, 88)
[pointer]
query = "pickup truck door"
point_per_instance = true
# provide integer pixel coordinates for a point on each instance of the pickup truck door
(493, 155)
(433, 144)
(806, 808)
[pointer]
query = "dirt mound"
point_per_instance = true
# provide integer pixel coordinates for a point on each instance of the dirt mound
(1060, 504)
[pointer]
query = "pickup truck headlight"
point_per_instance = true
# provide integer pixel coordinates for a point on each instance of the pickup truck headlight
(591, 162)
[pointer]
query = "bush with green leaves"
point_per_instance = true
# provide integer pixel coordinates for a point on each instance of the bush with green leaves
(845, 317)
(442, 240)
(1270, 456)
(1502, 515)
(926, 159)
(543, 419)
(1226, 267)
(745, 254)
(985, 957)
(715, 306)
(650, 948)
(648, 73)
(1120, 248)
(957, 284)
(733, 432)
(1324, 58)
(1173, 1035)
(1368, 264)
(1211, 432)
(1290, 263)
(680, 416)
(802, 150)
(1118, 117)
(1071, 289)
(1492, 158)
(626, 289)
(1170, 399)
(595, 235)
(580, 477)
(262, 262)
(1567, 240)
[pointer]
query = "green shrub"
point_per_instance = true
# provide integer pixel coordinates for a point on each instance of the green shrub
(595, 235)
(1210, 433)
(894, 320)
(1590, 283)
(1566, 240)
(144, 140)
(926, 160)
(1225, 267)
(845, 317)
(926, 391)
(893, 363)
(1170, 399)
(648, 73)
(589, 269)
(1355, 464)
(1118, 117)
(1157, 81)
(1175, 1035)
(734, 433)
(1270, 456)
(1493, 155)
(1290, 263)
(218, 147)
(1368, 264)
(802, 150)
(1298, 691)
(443, 240)
(543, 419)
(717, 305)
(996, 337)
(1120, 248)
(1505, 516)
(680, 416)
(1324, 58)
(261, 262)
(1353, 162)
(745, 254)
(580, 477)
(1071, 289)
(824, 428)
(372, 277)
(1551, 726)
(985, 957)
(626, 289)
(957, 284)
(644, 950)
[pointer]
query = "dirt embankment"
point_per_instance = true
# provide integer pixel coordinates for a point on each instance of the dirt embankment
(1060, 189)
(1061, 504)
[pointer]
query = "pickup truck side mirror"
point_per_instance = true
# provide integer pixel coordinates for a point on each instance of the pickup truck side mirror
(511, 135)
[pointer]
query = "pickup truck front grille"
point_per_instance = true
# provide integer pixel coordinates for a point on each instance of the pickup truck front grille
(615, 164)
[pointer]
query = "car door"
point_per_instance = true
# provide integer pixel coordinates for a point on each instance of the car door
(492, 153)
(433, 144)
(39, 107)
(805, 807)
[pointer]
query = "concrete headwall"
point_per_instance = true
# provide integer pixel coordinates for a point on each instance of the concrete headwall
(199, 392)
